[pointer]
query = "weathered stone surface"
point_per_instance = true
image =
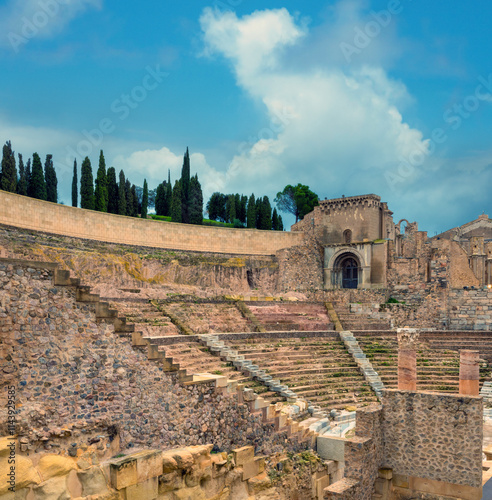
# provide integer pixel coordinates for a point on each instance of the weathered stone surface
(243, 455)
(93, 481)
(55, 465)
(25, 474)
(53, 489)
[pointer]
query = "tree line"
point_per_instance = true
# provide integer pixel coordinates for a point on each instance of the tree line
(30, 179)
(105, 194)
(182, 202)
(242, 211)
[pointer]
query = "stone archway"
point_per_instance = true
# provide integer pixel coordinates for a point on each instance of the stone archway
(346, 271)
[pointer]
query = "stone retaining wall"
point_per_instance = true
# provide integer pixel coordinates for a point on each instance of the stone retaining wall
(434, 436)
(29, 213)
(470, 309)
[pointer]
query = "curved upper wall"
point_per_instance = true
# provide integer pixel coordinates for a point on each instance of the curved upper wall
(29, 213)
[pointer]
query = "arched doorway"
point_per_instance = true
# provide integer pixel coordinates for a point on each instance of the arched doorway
(346, 271)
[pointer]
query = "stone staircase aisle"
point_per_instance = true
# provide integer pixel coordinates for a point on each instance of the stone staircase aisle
(363, 363)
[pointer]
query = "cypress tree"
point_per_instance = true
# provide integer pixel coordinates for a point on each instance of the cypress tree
(176, 203)
(251, 213)
(241, 209)
(22, 184)
(258, 213)
(101, 192)
(196, 201)
(8, 176)
(145, 200)
(75, 193)
(130, 206)
(135, 200)
(185, 187)
(230, 208)
(159, 198)
(37, 184)
(28, 176)
(266, 214)
(122, 194)
(275, 220)
(169, 194)
(51, 180)
(86, 185)
(280, 223)
(112, 191)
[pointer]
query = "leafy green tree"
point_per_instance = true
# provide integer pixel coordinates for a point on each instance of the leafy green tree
(75, 193)
(113, 192)
(176, 203)
(251, 212)
(135, 200)
(216, 207)
(86, 185)
(298, 200)
(51, 180)
(101, 192)
(22, 183)
(8, 175)
(196, 201)
(145, 200)
(122, 210)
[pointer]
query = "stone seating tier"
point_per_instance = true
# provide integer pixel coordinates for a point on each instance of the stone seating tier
(318, 369)
(296, 316)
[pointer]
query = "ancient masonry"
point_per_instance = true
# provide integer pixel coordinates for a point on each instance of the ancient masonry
(347, 359)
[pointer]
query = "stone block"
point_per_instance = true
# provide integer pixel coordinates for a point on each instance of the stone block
(243, 455)
(146, 490)
(195, 493)
(55, 465)
(93, 481)
(253, 468)
(123, 473)
(25, 474)
(322, 483)
(149, 464)
(331, 448)
(55, 487)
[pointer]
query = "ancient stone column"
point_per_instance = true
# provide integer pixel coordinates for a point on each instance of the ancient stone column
(407, 359)
(469, 373)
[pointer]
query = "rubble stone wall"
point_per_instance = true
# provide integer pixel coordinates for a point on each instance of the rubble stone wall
(76, 379)
(433, 436)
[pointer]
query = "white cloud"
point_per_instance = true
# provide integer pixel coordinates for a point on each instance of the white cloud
(22, 20)
(323, 121)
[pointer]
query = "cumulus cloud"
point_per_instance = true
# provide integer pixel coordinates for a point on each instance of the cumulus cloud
(323, 120)
(22, 20)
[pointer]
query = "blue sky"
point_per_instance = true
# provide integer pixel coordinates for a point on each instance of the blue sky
(387, 97)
